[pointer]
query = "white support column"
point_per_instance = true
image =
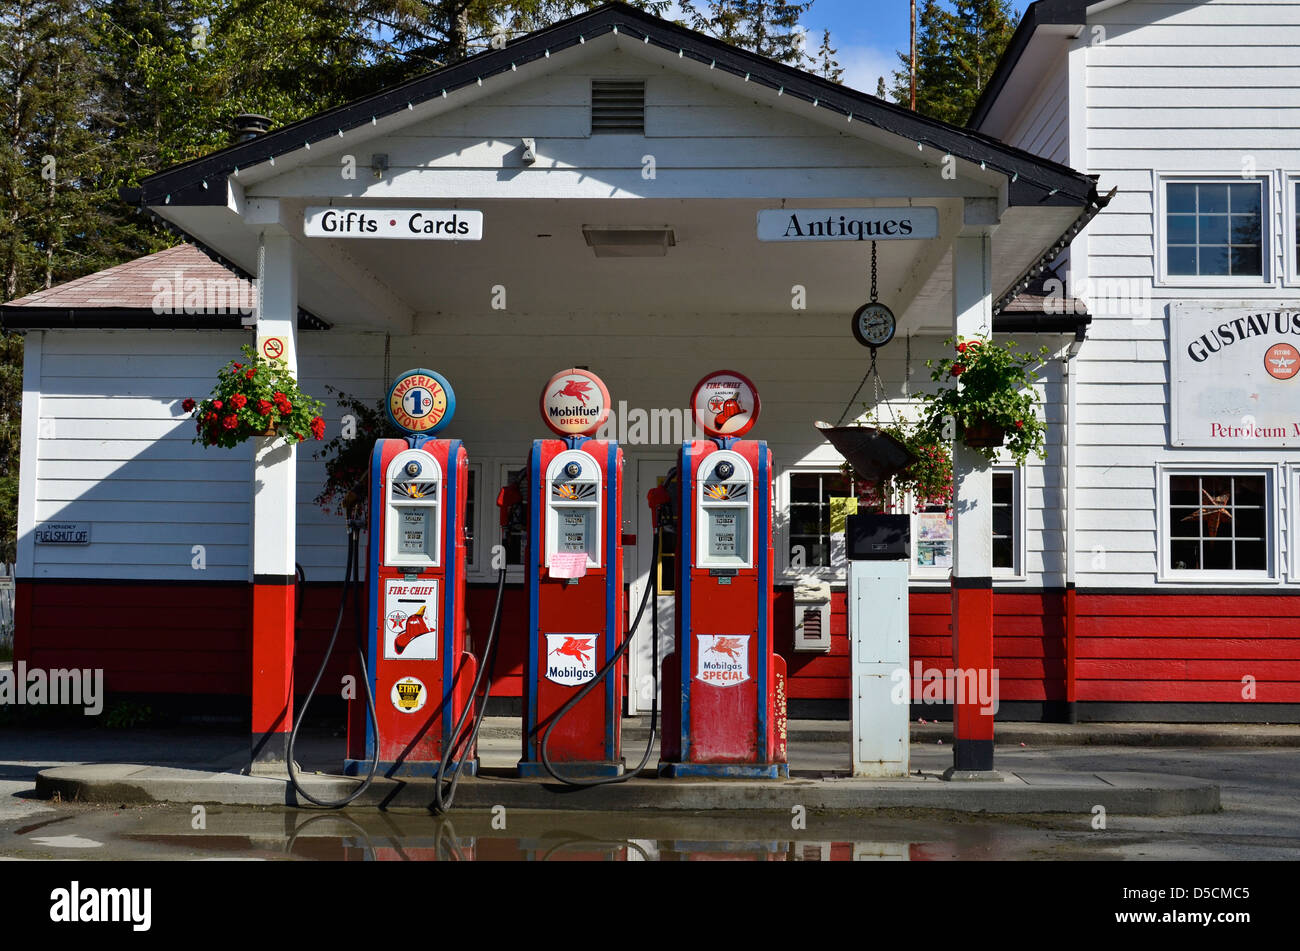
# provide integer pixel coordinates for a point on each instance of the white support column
(28, 456)
(972, 580)
(274, 491)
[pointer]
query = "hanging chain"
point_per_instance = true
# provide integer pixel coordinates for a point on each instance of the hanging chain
(873, 272)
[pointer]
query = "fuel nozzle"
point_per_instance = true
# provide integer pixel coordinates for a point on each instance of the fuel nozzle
(507, 500)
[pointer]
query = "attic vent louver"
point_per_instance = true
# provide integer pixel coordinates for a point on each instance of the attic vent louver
(618, 107)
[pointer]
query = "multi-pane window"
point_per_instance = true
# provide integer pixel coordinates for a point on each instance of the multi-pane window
(1218, 522)
(810, 516)
(515, 537)
(470, 509)
(1214, 229)
(1004, 520)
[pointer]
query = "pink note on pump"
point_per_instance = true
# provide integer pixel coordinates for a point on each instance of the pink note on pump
(569, 564)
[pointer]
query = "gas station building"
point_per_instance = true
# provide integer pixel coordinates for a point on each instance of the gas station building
(620, 164)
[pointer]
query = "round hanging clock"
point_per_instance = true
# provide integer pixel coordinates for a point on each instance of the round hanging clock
(874, 324)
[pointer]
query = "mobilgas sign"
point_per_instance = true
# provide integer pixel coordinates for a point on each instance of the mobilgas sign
(847, 224)
(421, 224)
(1234, 374)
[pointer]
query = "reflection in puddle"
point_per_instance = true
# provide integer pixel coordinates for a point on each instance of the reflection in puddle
(387, 837)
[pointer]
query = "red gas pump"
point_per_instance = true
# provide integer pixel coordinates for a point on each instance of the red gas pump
(724, 687)
(420, 674)
(575, 584)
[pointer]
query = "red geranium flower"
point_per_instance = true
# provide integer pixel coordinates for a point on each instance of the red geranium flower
(230, 422)
(264, 407)
(237, 366)
(239, 400)
(961, 348)
(318, 428)
(212, 417)
(957, 369)
(252, 372)
(188, 405)
(1020, 424)
(216, 404)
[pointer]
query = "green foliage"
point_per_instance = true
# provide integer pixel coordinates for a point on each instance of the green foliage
(992, 384)
(957, 50)
(11, 397)
(928, 480)
(125, 714)
(767, 27)
(347, 459)
(252, 399)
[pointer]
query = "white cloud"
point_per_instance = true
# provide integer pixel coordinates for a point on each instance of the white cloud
(864, 65)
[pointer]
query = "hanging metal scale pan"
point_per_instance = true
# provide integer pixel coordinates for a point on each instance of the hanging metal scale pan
(874, 455)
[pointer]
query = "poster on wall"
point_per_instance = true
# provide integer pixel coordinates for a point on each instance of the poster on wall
(1234, 374)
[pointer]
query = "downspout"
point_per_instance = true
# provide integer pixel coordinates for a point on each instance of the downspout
(1071, 608)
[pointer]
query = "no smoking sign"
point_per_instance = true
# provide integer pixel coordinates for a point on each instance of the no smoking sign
(272, 348)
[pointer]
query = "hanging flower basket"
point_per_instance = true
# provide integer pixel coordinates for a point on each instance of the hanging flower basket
(260, 398)
(989, 398)
(983, 434)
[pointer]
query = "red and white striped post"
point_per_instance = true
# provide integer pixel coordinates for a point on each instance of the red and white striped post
(972, 572)
(274, 497)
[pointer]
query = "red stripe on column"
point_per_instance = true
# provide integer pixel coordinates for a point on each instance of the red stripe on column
(972, 649)
(272, 658)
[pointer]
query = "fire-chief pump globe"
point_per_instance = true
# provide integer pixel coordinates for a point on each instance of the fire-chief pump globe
(575, 585)
(421, 674)
(724, 686)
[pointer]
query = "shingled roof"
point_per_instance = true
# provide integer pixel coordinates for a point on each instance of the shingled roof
(178, 287)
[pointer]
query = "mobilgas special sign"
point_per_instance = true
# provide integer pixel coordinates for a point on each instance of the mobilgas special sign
(419, 224)
(1234, 374)
(847, 224)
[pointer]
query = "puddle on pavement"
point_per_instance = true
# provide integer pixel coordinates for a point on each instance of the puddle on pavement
(164, 832)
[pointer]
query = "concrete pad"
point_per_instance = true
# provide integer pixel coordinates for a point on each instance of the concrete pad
(1137, 794)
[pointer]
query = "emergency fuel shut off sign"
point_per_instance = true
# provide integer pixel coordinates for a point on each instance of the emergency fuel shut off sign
(1234, 374)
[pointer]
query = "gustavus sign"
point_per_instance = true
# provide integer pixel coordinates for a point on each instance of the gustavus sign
(1233, 370)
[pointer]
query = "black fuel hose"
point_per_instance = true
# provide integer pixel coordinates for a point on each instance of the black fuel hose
(651, 588)
(349, 584)
(444, 791)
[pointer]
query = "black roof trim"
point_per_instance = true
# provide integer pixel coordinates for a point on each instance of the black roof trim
(1034, 180)
(1025, 322)
(127, 318)
(1049, 12)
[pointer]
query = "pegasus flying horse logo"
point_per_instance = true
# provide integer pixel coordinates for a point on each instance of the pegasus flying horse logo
(579, 648)
(578, 389)
(729, 647)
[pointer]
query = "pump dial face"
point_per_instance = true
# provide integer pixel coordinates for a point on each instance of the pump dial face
(874, 324)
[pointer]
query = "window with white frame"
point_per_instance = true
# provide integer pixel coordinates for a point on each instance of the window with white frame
(809, 535)
(471, 513)
(1214, 230)
(1218, 523)
(516, 540)
(1006, 521)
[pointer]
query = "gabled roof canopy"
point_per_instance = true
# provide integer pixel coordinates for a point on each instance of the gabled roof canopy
(1031, 180)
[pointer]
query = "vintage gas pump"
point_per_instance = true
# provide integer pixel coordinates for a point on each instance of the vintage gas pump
(575, 584)
(724, 687)
(421, 676)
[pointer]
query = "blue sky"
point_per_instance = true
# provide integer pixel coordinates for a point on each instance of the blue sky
(866, 35)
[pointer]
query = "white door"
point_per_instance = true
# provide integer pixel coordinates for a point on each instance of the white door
(649, 472)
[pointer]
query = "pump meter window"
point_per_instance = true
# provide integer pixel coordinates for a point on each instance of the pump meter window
(414, 488)
(574, 507)
(725, 512)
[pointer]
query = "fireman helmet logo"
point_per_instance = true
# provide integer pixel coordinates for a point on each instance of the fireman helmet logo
(410, 619)
(722, 659)
(1282, 361)
(571, 658)
(725, 403)
(409, 695)
(575, 403)
(421, 402)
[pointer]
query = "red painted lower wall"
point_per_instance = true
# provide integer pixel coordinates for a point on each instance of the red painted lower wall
(195, 638)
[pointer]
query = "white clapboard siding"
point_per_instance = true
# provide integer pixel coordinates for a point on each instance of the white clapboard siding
(1043, 126)
(115, 450)
(1173, 87)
